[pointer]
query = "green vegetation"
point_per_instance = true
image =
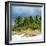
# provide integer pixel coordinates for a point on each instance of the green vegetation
(28, 26)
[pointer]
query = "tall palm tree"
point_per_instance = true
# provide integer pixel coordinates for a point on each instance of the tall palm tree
(31, 19)
(18, 20)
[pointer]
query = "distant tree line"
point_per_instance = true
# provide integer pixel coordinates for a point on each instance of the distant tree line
(24, 23)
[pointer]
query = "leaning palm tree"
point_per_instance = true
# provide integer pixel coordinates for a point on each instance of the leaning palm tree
(17, 23)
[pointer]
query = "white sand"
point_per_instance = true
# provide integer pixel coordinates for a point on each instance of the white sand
(20, 39)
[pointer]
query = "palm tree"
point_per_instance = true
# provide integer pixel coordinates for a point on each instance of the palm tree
(31, 19)
(18, 20)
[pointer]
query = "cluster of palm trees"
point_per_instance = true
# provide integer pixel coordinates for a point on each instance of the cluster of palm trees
(24, 23)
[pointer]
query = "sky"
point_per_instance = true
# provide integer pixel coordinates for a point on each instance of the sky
(24, 11)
